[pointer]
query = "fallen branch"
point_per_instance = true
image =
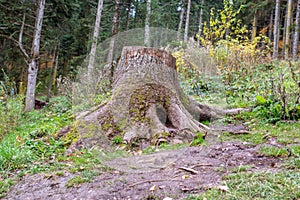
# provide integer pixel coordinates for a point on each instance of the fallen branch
(202, 165)
(189, 170)
(152, 180)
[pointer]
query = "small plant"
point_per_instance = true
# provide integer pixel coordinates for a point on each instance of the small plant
(198, 140)
(242, 168)
(75, 181)
(117, 140)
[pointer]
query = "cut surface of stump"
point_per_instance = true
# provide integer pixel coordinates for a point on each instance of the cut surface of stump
(147, 103)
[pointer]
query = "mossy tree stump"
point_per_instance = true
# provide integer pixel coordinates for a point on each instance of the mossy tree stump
(147, 103)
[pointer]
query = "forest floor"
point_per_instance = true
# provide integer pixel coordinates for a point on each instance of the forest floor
(177, 172)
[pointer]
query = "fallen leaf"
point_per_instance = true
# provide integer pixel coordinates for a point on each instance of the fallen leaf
(185, 177)
(153, 188)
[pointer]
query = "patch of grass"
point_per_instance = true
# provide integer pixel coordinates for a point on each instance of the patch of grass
(198, 140)
(273, 151)
(86, 176)
(5, 185)
(165, 146)
(117, 140)
(242, 168)
(253, 138)
(92, 160)
(30, 146)
(285, 133)
(294, 161)
(284, 185)
(75, 181)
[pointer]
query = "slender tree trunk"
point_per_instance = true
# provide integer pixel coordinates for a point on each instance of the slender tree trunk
(147, 25)
(112, 40)
(33, 63)
(287, 32)
(95, 39)
(53, 70)
(128, 15)
(200, 23)
(296, 34)
(276, 28)
(180, 23)
(254, 26)
(136, 11)
(187, 21)
(271, 25)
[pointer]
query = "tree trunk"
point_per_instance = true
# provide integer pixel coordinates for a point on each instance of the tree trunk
(200, 23)
(128, 15)
(112, 40)
(276, 28)
(254, 26)
(180, 23)
(271, 25)
(147, 25)
(287, 30)
(296, 34)
(187, 21)
(147, 103)
(95, 39)
(53, 70)
(35, 53)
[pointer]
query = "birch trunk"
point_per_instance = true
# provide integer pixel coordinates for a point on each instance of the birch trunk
(95, 39)
(33, 63)
(187, 21)
(296, 34)
(180, 23)
(147, 24)
(128, 15)
(276, 29)
(287, 31)
(200, 23)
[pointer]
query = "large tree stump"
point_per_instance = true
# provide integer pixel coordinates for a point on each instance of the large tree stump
(147, 103)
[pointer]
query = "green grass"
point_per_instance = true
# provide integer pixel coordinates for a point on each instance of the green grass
(242, 168)
(285, 133)
(273, 151)
(263, 185)
(30, 146)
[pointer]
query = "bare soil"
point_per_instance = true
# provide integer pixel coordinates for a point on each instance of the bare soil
(175, 174)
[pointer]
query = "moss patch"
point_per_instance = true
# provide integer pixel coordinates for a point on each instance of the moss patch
(145, 96)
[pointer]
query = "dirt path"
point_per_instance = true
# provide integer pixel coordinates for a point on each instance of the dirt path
(133, 177)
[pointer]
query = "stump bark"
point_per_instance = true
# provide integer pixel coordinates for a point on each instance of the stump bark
(147, 103)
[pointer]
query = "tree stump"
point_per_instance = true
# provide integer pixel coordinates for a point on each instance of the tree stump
(147, 103)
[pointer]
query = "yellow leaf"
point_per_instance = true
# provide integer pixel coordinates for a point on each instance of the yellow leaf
(153, 188)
